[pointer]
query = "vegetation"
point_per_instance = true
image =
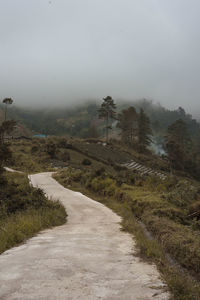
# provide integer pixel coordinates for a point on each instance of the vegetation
(7, 101)
(135, 128)
(76, 121)
(144, 131)
(143, 125)
(24, 211)
(163, 207)
(163, 215)
(107, 112)
(127, 122)
(5, 154)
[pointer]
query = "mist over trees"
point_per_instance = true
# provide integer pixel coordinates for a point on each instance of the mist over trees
(83, 121)
(108, 113)
(141, 125)
(144, 131)
(127, 123)
(75, 120)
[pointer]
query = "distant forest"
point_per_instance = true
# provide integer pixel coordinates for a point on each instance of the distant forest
(82, 121)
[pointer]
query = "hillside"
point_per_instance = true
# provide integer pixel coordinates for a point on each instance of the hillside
(81, 120)
(164, 210)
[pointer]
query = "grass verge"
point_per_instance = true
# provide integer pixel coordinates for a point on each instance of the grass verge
(17, 228)
(103, 189)
(24, 210)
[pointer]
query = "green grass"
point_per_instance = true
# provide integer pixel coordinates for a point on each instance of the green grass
(161, 217)
(161, 206)
(24, 211)
(17, 228)
(29, 161)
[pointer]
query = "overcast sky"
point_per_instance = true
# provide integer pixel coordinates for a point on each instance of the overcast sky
(66, 51)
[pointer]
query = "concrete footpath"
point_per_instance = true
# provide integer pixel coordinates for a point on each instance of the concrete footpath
(88, 258)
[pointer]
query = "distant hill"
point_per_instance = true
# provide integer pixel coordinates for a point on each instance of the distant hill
(82, 121)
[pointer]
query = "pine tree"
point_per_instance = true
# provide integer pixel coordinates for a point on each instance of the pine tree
(127, 122)
(93, 132)
(178, 144)
(7, 101)
(107, 112)
(144, 131)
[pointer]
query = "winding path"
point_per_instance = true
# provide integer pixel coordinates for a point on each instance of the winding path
(88, 258)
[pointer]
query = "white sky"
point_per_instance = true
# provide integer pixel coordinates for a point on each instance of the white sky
(65, 51)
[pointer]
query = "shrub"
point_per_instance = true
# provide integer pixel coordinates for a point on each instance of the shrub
(63, 155)
(99, 172)
(51, 148)
(86, 162)
(76, 175)
(62, 143)
(34, 149)
(97, 184)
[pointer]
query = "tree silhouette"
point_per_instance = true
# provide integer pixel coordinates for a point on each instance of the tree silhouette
(7, 101)
(127, 122)
(107, 112)
(5, 154)
(178, 144)
(144, 131)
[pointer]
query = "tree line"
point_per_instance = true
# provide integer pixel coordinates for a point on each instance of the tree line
(181, 143)
(135, 128)
(183, 150)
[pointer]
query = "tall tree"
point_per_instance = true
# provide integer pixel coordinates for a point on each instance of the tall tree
(5, 154)
(107, 112)
(93, 132)
(6, 128)
(127, 122)
(144, 131)
(178, 144)
(7, 101)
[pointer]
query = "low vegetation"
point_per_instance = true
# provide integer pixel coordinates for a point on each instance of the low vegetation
(162, 207)
(161, 214)
(24, 211)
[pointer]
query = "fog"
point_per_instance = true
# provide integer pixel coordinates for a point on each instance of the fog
(62, 52)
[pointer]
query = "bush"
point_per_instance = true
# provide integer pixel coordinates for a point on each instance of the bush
(24, 211)
(99, 172)
(86, 162)
(63, 155)
(51, 149)
(76, 175)
(62, 143)
(34, 149)
(17, 195)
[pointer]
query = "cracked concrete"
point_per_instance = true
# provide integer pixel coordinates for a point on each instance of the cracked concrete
(88, 258)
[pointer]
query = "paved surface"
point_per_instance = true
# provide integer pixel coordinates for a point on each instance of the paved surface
(88, 258)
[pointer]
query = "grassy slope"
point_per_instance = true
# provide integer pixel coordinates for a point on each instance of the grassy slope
(26, 160)
(162, 207)
(24, 222)
(161, 216)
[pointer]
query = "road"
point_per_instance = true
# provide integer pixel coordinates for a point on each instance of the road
(88, 258)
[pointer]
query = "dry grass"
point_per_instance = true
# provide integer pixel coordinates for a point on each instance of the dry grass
(135, 203)
(24, 211)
